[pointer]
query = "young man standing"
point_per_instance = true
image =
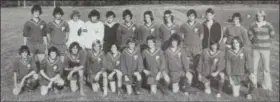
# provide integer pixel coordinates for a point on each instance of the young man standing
(58, 30)
(34, 33)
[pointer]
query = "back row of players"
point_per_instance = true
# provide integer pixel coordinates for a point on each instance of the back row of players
(125, 54)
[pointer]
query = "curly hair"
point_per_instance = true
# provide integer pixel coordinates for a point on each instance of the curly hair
(150, 13)
(236, 14)
(175, 37)
(72, 45)
(192, 11)
(53, 49)
(22, 49)
(127, 12)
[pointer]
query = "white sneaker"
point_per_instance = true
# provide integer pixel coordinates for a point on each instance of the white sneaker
(218, 95)
(186, 93)
(249, 97)
(208, 91)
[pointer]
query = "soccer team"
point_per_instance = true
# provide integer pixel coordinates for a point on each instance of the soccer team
(129, 56)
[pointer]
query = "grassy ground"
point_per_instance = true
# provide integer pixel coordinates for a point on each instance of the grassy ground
(12, 20)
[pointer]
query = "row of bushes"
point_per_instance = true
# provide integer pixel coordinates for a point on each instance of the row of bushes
(15, 3)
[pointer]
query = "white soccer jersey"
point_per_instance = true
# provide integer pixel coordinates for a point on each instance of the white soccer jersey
(74, 28)
(91, 33)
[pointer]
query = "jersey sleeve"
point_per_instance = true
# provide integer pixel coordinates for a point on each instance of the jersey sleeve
(251, 32)
(221, 62)
(123, 65)
(140, 63)
(49, 28)
(185, 60)
(15, 66)
(26, 29)
(162, 61)
(271, 30)
(33, 65)
(118, 35)
(248, 61)
(228, 64)
(60, 67)
(67, 29)
(44, 29)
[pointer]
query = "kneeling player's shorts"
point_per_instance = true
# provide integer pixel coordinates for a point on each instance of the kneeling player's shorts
(207, 78)
(36, 47)
(151, 80)
(61, 48)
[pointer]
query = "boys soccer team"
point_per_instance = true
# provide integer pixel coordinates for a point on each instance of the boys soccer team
(119, 56)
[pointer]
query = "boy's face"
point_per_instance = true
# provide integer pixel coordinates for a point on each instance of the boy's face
(260, 18)
(24, 54)
(53, 55)
(214, 46)
(97, 47)
(75, 17)
(75, 50)
(127, 18)
(168, 17)
(131, 45)
(93, 18)
(236, 44)
(174, 43)
(114, 49)
(151, 43)
(110, 19)
(209, 16)
(36, 13)
(58, 16)
(147, 18)
(236, 20)
(191, 17)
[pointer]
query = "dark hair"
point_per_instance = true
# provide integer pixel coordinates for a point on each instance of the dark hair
(110, 13)
(192, 11)
(94, 13)
(175, 37)
(96, 42)
(75, 13)
(127, 12)
(239, 41)
(236, 14)
(36, 7)
(150, 13)
(151, 37)
(209, 10)
(22, 49)
(73, 44)
(131, 39)
(53, 49)
(115, 45)
(165, 13)
(214, 42)
(57, 10)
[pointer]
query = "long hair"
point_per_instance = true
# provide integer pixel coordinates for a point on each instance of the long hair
(72, 45)
(164, 18)
(239, 41)
(150, 13)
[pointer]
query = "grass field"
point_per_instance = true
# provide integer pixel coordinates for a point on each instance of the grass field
(12, 20)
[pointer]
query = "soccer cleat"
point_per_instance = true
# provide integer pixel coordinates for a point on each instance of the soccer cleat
(249, 96)
(207, 91)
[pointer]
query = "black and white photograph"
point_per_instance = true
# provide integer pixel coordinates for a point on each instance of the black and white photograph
(140, 50)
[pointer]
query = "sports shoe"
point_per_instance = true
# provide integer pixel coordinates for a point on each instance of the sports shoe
(218, 95)
(249, 96)
(208, 91)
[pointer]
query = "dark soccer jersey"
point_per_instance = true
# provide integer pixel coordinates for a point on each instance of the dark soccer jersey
(21, 67)
(35, 31)
(131, 62)
(124, 32)
(112, 62)
(144, 31)
(154, 61)
(206, 61)
(233, 31)
(58, 32)
(52, 68)
(94, 62)
(71, 62)
(212, 34)
(165, 32)
(238, 63)
(110, 33)
(192, 33)
(177, 60)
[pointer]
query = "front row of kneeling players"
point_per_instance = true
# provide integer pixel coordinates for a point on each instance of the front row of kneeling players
(125, 68)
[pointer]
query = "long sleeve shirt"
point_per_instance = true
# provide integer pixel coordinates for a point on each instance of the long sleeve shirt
(21, 67)
(35, 31)
(110, 35)
(214, 33)
(52, 68)
(238, 63)
(124, 32)
(177, 60)
(58, 32)
(75, 27)
(232, 31)
(192, 33)
(261, 37)
(112, 62)
(154, 61)
(206, 62)
(131, 61)
(91, 33)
